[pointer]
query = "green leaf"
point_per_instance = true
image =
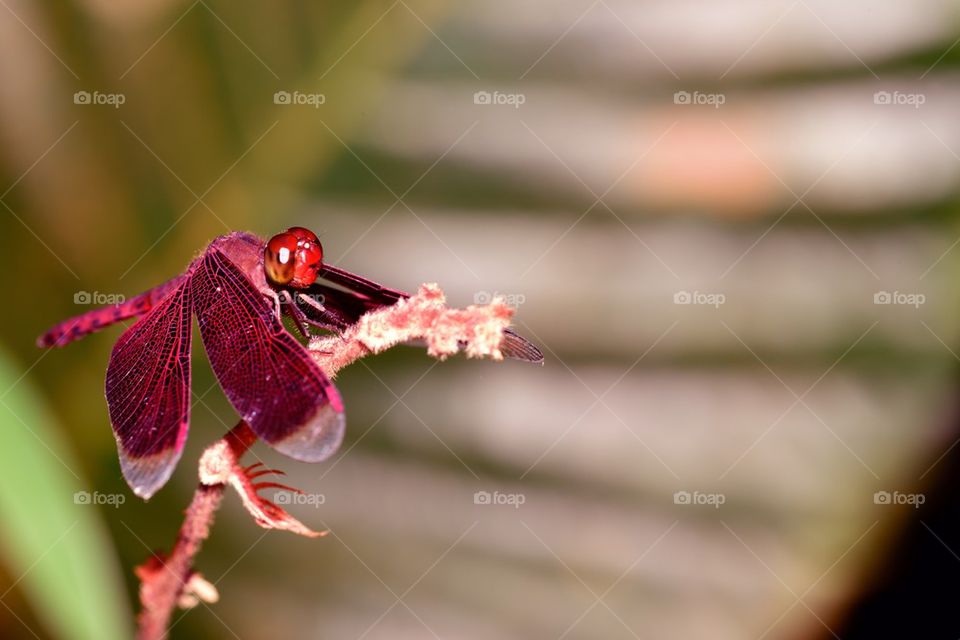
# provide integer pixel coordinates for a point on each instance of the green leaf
(58, 551)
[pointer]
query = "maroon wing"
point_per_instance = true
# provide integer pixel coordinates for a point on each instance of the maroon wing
(377, 294)
(369, 295)
(77, 327)
(266, 374)
(148, 391)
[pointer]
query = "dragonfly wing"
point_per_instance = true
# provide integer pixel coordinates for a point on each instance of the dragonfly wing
(148, 392)
(266, 374)
(519, 348)
(376, 294)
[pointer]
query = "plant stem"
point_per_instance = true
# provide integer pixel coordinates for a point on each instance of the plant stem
(163, 577)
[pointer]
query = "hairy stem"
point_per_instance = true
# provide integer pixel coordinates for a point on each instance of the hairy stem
(163, 577)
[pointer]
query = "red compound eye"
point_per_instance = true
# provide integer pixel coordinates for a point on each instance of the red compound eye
(293, 258)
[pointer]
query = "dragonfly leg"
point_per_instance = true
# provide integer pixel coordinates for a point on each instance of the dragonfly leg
(282, 298)
(316, 304)
(312, 301)
(277, 302)
(298, 318)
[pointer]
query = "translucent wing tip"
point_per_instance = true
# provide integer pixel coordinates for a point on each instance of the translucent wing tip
(318, 439)
(147, 474)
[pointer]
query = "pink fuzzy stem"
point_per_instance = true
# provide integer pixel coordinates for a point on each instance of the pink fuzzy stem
(476, 330)
(163, 578)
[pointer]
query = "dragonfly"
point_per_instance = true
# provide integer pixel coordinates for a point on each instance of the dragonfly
(240, 288)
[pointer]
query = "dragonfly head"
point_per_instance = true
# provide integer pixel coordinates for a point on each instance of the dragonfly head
(293, 258)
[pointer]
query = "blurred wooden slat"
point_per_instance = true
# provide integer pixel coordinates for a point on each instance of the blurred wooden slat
(754, 155)
(662, 41)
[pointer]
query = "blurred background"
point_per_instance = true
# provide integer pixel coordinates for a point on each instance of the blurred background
(732, 227)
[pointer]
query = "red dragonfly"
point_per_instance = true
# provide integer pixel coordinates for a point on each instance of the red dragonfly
(238, 288)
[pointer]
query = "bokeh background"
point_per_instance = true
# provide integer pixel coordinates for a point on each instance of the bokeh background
(731, 225)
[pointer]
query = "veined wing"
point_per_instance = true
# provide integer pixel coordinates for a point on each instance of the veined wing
(266, 374)
(148, 392)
